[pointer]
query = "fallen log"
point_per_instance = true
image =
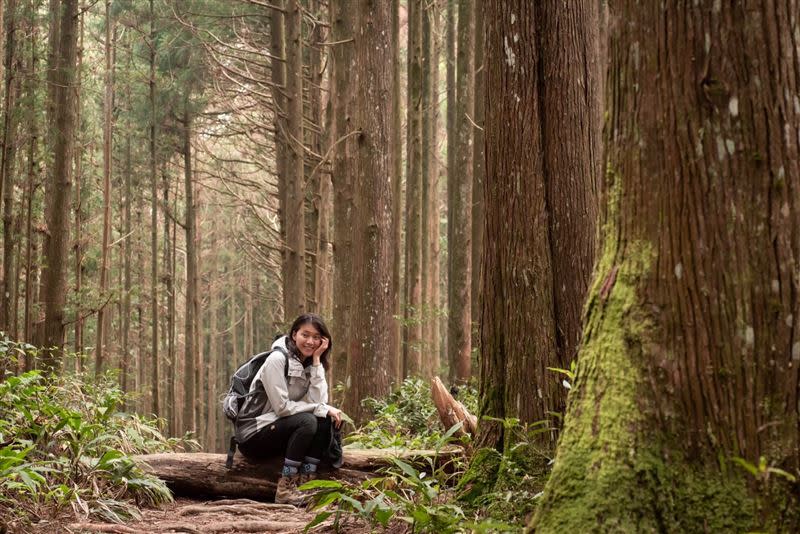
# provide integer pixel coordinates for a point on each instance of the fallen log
(204, 474)
(452, 411)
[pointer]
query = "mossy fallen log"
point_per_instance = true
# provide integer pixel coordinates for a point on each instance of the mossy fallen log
(204, 474)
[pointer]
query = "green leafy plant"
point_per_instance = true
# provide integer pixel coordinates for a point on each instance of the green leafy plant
(404, 419)
(64, 443)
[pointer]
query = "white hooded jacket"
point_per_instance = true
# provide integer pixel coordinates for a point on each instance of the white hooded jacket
(306, 390)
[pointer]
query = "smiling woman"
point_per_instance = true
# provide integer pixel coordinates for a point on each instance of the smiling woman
(296, 420)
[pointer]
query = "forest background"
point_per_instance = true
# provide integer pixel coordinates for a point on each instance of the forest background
(482, 190)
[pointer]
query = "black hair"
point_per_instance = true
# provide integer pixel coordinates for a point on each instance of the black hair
(316, 321)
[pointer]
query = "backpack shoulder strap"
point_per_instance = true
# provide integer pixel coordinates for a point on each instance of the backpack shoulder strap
(285, 360)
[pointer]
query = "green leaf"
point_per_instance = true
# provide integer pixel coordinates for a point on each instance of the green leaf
(780, 472)
(407, 469)
(321, 484)
(752, 469)
(383, 515)
(326, 498)
(322, 516)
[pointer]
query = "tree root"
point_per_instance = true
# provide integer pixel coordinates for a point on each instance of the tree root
(110, 528)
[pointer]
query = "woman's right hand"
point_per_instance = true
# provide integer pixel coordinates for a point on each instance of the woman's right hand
(336, 415)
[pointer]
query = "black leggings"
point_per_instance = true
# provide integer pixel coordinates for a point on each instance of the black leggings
(295, 436)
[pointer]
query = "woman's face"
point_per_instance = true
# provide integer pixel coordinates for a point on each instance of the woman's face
(307, 338)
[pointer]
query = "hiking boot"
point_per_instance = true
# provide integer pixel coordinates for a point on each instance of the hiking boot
(287, 492)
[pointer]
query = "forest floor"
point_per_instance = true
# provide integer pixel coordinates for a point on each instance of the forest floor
(230, 516)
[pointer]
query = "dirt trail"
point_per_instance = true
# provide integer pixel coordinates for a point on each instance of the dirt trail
(232, 516)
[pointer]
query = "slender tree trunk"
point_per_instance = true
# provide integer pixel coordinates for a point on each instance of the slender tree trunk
(342, 31)
(32, 182)
(689, 356)
(128, 242)
(459, 210)
(172, 310)
(58, 197)
(7, 165)
(430, 182)
(277, 31)
(78, 207)
(397, 195)
(294, 283)
(214, 349)
(155, 357)
(108, 133)
(412, 354)
(450, 30)
(190, 350)
(369, 363)
(478, 173)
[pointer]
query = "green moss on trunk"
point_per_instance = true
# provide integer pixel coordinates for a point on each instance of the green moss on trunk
(615, 470)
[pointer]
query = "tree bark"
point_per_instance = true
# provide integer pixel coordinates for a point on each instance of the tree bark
(294, 284)
(397, 195)
(369, 365)
(430, 189)
(152, 165)
(478, 173)
(31, 184)
(412, 339)
(190, 348)
(459, 209)
(108, 102)
(8, 167)
(342, 30)
(59, 194)
(535, 271)
(689, 355)
(277, 32)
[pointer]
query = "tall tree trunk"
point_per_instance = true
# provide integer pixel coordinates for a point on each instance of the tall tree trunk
(214, 349)
(31, 89)
(7, 165)
(128, 242)
(369, 364)
(294, 283)
(58, 196)
(450, 74)
(459, 209)
(190, 350)
(108, 102)
(342, 30)
(690, 356)
(170, 244)
(551, 171)
(277, 30)
(312, 59)
(412, 353)
(78, 204)
(397, 196)
(478, 173)
(155, 357)
(430, 187)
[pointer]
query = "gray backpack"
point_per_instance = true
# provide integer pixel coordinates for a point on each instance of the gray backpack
(240, 405)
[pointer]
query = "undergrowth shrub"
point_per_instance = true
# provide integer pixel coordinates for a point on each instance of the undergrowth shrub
(65, 445)
(406, 418)
(436, 497)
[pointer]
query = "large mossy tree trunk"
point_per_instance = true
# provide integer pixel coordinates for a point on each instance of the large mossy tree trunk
(541, 188)
(690, 352)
